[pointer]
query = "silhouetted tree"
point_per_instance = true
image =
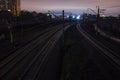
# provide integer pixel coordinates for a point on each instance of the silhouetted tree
(119, 16)
(43, 17)
(27, 16)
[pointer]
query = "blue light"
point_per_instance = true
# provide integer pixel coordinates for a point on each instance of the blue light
(78, 17)
(73, 17)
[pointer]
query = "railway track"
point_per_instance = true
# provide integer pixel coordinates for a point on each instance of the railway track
(112, 57)
(23, 38)
(26, 62)
(108, 43)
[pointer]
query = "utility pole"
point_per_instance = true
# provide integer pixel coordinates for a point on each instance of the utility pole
(63, 13)
(98, 15)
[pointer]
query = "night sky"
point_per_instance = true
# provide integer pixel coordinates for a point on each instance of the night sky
(77, 6)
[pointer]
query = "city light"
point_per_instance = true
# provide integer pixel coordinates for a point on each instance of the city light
(73, 17)
(9, 10)
(103, 16)
(78, 17)
(48, 14)
(68, 16)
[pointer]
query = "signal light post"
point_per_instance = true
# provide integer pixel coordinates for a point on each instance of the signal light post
(11, 30)
(11, 34)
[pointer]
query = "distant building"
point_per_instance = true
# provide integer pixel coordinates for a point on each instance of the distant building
(11, 5)
(3, 5)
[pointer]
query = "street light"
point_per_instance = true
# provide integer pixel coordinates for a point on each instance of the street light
(9, 10)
